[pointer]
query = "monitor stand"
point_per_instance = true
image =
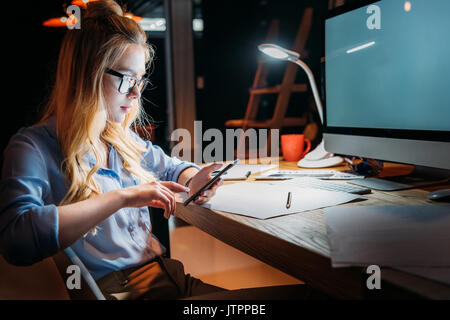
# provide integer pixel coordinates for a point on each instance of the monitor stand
(419, 177)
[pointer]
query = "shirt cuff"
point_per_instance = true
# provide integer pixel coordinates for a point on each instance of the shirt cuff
(173, 176)
(45, 221)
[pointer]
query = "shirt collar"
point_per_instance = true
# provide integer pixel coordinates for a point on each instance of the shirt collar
(50, 125)
(89, 158)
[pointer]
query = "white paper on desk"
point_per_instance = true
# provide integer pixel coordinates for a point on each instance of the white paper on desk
(262, 201)
(394, 236)
(239, 171)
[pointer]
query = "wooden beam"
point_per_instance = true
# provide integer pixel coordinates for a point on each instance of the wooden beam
(180, 67)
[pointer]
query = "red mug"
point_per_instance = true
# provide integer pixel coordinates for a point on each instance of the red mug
(293, 146)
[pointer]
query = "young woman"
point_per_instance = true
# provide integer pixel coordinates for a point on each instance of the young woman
(82, 178)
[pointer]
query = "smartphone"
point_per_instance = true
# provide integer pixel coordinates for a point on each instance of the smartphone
(210, 182)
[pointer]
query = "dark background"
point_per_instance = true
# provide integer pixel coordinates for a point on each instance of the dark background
(225, 57)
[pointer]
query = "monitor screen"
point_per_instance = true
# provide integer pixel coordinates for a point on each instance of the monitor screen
(395, 77)
(387, 73)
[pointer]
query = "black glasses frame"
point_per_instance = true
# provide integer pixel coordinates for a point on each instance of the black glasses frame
(122, 76)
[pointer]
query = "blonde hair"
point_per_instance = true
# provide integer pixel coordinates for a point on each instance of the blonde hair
(78, 104)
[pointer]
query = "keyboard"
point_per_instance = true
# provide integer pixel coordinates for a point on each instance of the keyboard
(328, 185)
(322, 174)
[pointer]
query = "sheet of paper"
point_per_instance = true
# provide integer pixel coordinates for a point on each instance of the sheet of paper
(395, 236)
(239, 171)
(262, 201)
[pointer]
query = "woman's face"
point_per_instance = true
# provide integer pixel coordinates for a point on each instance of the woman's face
(132, 63)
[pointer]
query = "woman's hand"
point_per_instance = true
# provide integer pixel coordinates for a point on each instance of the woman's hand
(158, 194)
(200, 179)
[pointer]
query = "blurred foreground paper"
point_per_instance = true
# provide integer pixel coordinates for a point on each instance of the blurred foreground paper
(395, 236)
(262, 201)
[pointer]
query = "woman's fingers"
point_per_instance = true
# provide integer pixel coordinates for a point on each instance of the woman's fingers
(205, 196)
(208, 194)
(164, 197)
(161, 194)
(205, 172)
(212, 190)
(201, 200)
(216, 184)
(168, 187)
(172, 202)
(154, 194)
(211, 167)
(156, 204)
(173, 186)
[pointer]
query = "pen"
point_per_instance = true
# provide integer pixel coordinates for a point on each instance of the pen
(247, 174)
(289, 199)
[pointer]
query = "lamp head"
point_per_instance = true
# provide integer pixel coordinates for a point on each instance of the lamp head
(278, 52)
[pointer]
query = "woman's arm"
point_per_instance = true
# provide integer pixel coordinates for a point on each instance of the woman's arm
(186, 175)
(169, 168)
(78, 218)
(32, 226)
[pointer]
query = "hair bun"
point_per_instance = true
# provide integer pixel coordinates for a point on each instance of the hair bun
(101, 9)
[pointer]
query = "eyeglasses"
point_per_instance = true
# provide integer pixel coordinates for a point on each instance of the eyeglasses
(128, 83)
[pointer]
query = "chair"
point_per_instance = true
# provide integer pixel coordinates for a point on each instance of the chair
(283, 90)
(89, 288)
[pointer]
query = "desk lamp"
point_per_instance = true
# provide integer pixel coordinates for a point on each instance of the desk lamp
(319, 157)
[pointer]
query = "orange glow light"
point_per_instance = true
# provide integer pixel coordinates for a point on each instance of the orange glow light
(58, 22)
(55, 22)
(135, 18)
(82, 3)
(62, 21)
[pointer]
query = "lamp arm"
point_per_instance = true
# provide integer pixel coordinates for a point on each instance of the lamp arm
(319, 152)
(313, 85)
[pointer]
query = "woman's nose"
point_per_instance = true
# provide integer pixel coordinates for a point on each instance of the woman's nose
(135, 93)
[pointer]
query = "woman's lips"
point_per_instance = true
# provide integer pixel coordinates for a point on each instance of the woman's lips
(125, 108)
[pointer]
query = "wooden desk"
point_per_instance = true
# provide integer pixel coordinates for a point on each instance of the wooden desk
(297, 244)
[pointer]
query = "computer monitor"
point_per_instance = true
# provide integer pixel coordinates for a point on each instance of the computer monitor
(387, 83)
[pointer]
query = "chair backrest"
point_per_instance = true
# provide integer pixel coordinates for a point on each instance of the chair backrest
(89, 289)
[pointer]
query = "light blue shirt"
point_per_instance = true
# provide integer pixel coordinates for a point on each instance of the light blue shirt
(33, 185)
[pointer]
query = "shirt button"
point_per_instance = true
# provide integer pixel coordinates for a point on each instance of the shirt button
(130, 228)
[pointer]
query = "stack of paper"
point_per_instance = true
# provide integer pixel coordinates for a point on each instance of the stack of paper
(415, 239)
(261, 200)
